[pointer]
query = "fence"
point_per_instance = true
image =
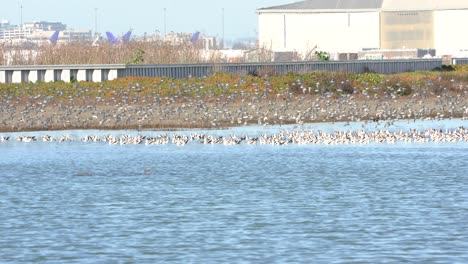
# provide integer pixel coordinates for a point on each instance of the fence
(460, 61)
(97, 73)
(200, 70)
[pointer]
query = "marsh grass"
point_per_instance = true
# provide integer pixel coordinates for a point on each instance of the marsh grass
(105, 53)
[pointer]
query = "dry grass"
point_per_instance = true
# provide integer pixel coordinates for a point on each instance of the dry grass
(105, 53)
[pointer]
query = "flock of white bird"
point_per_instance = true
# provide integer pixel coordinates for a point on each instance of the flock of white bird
(283, 137)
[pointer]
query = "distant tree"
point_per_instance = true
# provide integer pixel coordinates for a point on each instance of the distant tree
(322, 55)
(137, 57)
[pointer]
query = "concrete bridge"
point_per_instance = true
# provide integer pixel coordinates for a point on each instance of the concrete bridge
(65, 73)
(105, 72)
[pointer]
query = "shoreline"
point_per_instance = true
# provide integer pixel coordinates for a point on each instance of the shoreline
(223, 101)
(221, 113)
(182, 128)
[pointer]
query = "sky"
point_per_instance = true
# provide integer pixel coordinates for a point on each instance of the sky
(145, 16)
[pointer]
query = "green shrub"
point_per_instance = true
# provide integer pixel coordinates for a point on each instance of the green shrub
(370, 78)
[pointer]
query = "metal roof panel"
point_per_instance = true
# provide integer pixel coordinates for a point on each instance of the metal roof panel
(329, 5)
(383, 5)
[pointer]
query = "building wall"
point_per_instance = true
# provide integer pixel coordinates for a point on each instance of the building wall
(270, 31)
(407, 30)
(331, 32)
(449, 32)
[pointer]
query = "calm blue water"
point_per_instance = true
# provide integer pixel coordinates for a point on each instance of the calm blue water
(91, 202)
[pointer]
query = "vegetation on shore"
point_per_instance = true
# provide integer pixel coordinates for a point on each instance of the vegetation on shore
(320, 83)
(223, 100)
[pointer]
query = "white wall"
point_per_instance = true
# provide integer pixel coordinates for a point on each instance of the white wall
(328, 31)
(270, 31)
(450, 34)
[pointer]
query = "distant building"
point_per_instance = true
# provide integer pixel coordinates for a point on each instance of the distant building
(344, 26)
(76, 35)
(45, 26)
(38, 32)
(173, 38)
(5, 24)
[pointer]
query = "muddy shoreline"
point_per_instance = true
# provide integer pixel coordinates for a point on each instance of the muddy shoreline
(223, 100)
(173, 113)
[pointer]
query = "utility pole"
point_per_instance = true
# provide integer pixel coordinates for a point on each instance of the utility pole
(222, 23)
(21, 16)
(95, 21)
(165, 29)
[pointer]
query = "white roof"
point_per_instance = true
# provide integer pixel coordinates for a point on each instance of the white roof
(315, 6)
(331, 4)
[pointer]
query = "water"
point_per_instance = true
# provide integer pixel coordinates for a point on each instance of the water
(79, 202)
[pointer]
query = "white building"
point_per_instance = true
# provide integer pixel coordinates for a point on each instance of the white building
(340, 26)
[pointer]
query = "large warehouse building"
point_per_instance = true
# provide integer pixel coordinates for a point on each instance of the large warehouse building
(341, 26)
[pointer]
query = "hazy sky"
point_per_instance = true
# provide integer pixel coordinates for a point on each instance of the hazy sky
(118, 16)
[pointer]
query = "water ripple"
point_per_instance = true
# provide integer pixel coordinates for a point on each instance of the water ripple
(86, 203)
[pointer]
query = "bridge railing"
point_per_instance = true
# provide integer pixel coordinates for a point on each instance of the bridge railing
(98, 73)
(459, 61)
(200, 70)
(66, 73)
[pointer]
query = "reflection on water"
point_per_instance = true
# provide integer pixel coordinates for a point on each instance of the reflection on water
(75, 203)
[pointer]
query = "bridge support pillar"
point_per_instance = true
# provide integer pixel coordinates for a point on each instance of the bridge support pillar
(16, 77)
(113, 74)
(97, 76)
(49, 76)
(33, 76)
(81, 76)
(66, 76)
(2, 77)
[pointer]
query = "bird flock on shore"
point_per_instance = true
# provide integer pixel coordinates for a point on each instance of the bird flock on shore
(192, 106)
(283, 137)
